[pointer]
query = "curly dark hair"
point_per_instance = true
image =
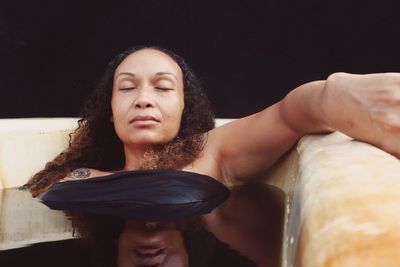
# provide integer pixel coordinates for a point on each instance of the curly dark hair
(94, 144)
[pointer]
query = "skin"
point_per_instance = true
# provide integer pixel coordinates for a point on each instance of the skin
(146, 83)
(366, 107)
(137, 243)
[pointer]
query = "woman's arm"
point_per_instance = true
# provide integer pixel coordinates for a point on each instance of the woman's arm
(365, 107)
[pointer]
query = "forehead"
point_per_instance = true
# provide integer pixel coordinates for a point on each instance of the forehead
(149, 61)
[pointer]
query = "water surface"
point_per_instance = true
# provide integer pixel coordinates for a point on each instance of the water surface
(246, 230)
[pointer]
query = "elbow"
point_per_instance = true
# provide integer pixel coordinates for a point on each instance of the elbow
(289, 118)
(336, 78)
(303, 109)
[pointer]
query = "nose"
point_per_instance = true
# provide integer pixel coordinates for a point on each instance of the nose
(143, 99)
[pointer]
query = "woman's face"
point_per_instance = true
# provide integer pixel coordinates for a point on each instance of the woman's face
(140, 246)
(147, 98)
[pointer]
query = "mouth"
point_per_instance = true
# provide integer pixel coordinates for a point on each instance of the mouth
(148, 252)
(149, 256)
(144, 120)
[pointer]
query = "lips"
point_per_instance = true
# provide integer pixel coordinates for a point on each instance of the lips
(149, 252)
(144, 118)
(149, 256)
(144, 121)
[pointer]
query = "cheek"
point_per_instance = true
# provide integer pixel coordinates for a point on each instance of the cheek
(175, 116)
(180, 106)
(172, 109)
(118, 109)
(117, 119)
(114, 113)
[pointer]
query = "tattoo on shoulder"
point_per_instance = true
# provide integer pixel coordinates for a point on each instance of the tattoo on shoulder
(79, 173)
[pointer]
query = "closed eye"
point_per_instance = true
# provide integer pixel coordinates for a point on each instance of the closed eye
(164, 88)
(127, 88)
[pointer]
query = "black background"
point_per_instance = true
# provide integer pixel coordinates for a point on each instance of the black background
(248, 54)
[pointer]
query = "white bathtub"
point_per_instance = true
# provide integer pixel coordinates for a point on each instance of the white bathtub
(342, 196)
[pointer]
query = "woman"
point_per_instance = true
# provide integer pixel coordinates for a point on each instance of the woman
(150, 113)
(144, 101)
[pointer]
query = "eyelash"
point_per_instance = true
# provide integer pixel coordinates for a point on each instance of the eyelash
(127, 88)
(163, 88)
(157, 87)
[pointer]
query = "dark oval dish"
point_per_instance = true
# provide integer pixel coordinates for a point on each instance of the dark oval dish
(140, 195)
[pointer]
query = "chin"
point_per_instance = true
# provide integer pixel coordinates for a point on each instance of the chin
(149, 141)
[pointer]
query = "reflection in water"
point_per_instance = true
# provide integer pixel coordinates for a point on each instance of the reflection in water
(251, 222)
(246, 230)
(155, 244)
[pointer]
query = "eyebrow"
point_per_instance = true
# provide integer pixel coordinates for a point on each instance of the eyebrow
(158, 74)
(126, 73)
(166, 73)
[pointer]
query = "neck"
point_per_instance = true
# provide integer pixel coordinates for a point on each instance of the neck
(134, 157)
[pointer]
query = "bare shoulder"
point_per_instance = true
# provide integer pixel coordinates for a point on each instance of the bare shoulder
(245, 148)
(84, 173)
